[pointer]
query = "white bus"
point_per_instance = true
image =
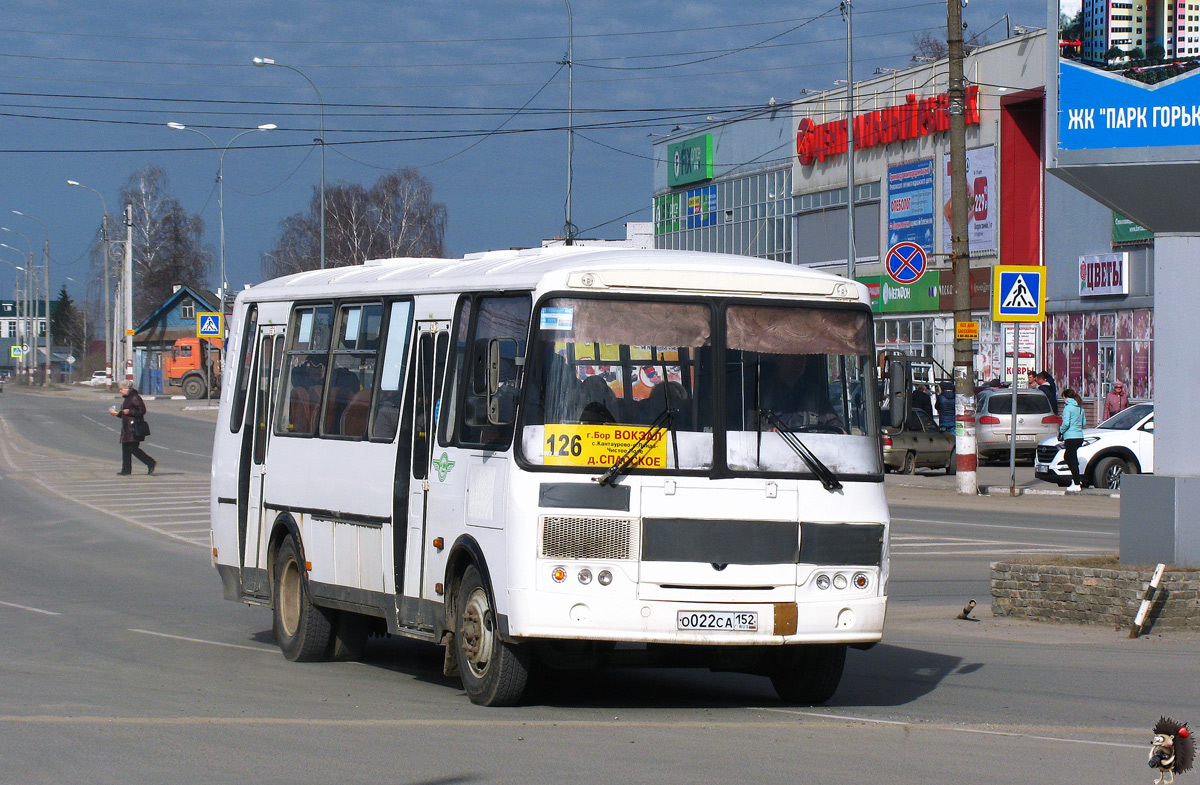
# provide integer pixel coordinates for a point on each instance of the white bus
(558, 457)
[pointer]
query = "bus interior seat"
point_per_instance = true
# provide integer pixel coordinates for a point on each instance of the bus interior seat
(354, 418)
(302, 411)
(343, 386)
(662, 395)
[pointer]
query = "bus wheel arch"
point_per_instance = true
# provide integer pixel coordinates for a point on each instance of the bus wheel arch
(303, 629)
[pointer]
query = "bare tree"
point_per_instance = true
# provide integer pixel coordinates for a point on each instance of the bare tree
(928, 47)
(166, 241)
(396, 216)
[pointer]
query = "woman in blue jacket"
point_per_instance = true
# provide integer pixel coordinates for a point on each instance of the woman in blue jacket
(1071, 432)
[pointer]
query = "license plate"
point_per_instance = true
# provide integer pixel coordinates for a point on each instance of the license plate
(1041, 467)
(1025, 437)
(737, 621)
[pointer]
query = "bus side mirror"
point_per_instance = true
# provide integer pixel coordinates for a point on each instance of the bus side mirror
(501, 381)
(897, 393)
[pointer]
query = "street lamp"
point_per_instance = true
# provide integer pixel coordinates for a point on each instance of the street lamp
(221, 186)
(46, 258)
(27, 318)
(260, 62)
(108, 353)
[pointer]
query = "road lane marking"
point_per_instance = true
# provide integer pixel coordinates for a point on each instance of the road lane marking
(955, 728)
(1006, 527)
(31, 610)
(208, 643)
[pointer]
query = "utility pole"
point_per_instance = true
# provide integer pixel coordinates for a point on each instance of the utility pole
(960, 259)
(128, 280)
(851, 252)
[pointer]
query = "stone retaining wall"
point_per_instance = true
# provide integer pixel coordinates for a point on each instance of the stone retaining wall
(1094, 595)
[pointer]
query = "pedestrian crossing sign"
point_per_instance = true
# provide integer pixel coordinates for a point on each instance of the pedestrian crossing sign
(1018, 293)
(209, 325)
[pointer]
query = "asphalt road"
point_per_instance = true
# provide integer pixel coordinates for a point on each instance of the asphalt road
(120, 662)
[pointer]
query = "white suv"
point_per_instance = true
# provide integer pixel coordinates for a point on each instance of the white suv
(1124, 443)
(98, 379)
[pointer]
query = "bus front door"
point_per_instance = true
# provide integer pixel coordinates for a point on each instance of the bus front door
(255, 580)
(426, 372)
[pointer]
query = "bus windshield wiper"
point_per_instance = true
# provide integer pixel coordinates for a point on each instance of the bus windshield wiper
(631, 455)
(828, 479)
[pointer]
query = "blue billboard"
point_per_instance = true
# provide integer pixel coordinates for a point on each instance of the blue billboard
(1104, 110)
(910, 204)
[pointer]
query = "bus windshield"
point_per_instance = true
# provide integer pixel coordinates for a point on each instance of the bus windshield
(607, 377)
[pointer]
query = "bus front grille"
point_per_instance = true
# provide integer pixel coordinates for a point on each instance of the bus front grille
(566, 537)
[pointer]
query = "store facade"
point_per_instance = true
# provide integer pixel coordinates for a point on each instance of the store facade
(1100, 310)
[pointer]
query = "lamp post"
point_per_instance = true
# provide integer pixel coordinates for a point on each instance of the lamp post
(108, 377)
(16, 292)
(46, 272)
(221, 186)
(28, 317)
(260, 62)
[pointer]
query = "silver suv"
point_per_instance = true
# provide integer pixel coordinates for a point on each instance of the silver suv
(993, 423)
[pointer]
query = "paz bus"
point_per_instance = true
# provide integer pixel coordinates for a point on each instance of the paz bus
(558, 457)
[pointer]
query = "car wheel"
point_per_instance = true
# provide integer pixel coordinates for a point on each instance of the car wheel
(1108, 471)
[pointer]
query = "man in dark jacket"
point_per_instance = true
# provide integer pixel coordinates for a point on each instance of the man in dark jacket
(945, 407)
(131, 411)
(1045, 383)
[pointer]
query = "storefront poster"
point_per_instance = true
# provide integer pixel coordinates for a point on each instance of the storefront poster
(910, 204)
(1126, 231)
(887, 296)
(982, 211)
(667, 211)
(701, 208)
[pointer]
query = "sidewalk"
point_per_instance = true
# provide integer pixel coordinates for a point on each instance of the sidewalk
(175, 404)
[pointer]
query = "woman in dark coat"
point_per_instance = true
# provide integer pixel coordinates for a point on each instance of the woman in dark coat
(132, 409)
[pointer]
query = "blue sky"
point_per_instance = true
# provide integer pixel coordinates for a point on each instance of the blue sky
(87, 88)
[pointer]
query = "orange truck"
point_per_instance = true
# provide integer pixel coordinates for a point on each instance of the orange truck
(185, 366)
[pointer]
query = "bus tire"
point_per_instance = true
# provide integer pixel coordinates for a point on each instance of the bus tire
(808, 674)
(493, 673)
(302, 629)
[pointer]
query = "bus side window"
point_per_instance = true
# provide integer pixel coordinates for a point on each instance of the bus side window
(385, 415)
(504, 318)
(243, 378)
(304, 375)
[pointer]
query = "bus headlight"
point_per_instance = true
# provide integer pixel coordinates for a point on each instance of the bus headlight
(585, 576)
(822, 582)
(840, 581)
(604, 578)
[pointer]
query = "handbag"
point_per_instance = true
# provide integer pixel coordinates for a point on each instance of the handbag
(141, 428)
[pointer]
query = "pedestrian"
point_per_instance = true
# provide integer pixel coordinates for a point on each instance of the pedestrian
(921, 399)
(1071, 432)
(134, 429)
(1045, 383)
(1116, 400)
(945, 407)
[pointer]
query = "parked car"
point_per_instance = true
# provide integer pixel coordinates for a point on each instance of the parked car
(1122, 444)
(919, 443)
(98, 379)
(994, 420)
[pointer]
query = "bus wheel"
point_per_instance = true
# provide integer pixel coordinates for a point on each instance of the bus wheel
(808, 674)
(493, 672)
(302, 629)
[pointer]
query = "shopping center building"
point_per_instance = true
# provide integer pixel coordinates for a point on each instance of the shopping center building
(772, 184)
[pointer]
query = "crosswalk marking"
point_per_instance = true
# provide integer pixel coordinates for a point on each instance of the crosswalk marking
(172, 503)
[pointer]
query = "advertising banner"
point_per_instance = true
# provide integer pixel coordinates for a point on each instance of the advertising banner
(701, 207)
(981, 186)
(887, 296)
(1103, 274)
(1107, 109)
(690, 161)
(910, 204)
(1126, 231)
(667, 211)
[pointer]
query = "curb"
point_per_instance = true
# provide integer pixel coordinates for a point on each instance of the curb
(1003, 490)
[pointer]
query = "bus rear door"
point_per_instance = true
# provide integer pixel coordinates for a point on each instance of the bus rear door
(267, 366)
